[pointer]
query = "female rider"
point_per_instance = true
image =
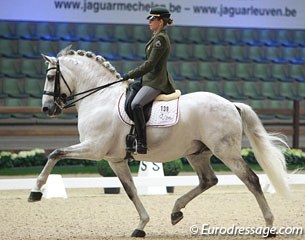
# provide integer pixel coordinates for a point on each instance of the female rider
(155, 77)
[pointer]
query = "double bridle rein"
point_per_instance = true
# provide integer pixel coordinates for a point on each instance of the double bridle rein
(62, 100)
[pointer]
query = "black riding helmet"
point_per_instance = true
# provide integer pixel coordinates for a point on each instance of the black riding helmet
(160, 12)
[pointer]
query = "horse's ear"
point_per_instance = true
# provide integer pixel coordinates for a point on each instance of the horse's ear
(48, 59)
(64, 51)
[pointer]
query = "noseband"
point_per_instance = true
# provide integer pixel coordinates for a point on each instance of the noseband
(62, 100)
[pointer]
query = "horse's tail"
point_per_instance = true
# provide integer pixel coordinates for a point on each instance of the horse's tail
(266, 148)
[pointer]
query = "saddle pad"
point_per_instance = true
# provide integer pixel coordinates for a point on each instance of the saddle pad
(163, 113)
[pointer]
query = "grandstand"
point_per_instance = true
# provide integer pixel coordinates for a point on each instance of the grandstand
(264, 68)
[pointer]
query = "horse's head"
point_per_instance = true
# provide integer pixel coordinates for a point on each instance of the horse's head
(74, 73)
(57, 87)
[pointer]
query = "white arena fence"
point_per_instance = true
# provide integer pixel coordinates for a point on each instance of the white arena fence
(103, 182)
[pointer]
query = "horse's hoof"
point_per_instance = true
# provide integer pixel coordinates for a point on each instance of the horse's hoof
(138, 233)
(176, 217)
(35, 197)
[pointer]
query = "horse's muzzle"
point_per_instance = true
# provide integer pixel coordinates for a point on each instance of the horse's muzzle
(51, 109)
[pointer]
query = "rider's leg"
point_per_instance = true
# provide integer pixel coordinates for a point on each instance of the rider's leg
(145, 95)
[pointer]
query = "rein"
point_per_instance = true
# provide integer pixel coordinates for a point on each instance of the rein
(61, 100)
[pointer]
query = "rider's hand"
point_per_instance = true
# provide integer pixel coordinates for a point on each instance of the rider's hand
(125, 76)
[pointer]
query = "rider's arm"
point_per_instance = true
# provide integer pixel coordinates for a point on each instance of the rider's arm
(159, 46)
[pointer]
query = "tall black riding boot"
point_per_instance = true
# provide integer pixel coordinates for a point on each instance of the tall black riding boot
(140, 125)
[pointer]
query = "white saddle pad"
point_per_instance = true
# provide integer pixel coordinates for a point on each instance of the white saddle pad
(163, 113)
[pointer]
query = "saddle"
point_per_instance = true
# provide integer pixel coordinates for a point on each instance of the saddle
(162, 119)
(131, 92)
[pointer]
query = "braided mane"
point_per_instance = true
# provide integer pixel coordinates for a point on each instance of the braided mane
(101, 60)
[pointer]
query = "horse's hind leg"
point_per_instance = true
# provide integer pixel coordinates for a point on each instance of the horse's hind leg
(201, 164)
(251, 180)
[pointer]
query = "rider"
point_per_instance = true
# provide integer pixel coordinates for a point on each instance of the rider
(155, 77)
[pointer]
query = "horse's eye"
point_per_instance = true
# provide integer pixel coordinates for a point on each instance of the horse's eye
(50, 77)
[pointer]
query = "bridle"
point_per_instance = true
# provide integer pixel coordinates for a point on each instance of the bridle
(61, 99)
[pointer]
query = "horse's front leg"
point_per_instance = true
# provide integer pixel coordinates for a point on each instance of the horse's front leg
(122, 171)
(78, 151)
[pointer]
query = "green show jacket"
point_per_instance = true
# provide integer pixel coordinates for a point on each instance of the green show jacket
(154, 69)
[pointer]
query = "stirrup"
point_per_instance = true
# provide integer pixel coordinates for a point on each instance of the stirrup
(131, 143)
(141, 148)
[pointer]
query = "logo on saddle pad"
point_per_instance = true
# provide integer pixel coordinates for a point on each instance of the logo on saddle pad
(163, 113)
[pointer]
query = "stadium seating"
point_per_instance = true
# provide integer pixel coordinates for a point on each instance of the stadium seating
(300, 90)
(300, 56)
(175, 70)
(29, 48)
(202, 52)
(49, 47)
(287, 90)
(33, 87)
(86, 32)
(288, 54)
(267, 37)
(128, 51)
(214, 36)
(212, 86)
(197, 35)
(262, 67)
(298, 38)
(244, 71)
(238, 53)
(255, 54)
(33, 67)
(182, 51)
(232, 36)
(179, 35)
(192, 86)
(250, 37)
(14, 88)
(271, 90)
(9, 48)
(251, 90)
(141, 34)
(226, 71)
(220, 53)
(262, 71)
(232, 90)
(109, 50)
(189, 70)
(207, 70)
(280, 72)
(11, 67)
(297, 72)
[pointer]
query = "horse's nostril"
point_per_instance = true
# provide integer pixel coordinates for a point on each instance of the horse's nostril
(45, 109)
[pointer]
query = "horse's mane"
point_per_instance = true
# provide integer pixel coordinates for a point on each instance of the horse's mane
(99, 59)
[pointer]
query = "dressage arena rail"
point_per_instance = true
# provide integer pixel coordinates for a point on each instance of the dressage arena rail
(108, 182)
(36, 129)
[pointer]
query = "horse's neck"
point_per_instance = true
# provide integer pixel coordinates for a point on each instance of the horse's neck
(88, 74)
(108, 95)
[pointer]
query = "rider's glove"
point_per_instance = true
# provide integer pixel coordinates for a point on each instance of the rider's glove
(125, 76)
